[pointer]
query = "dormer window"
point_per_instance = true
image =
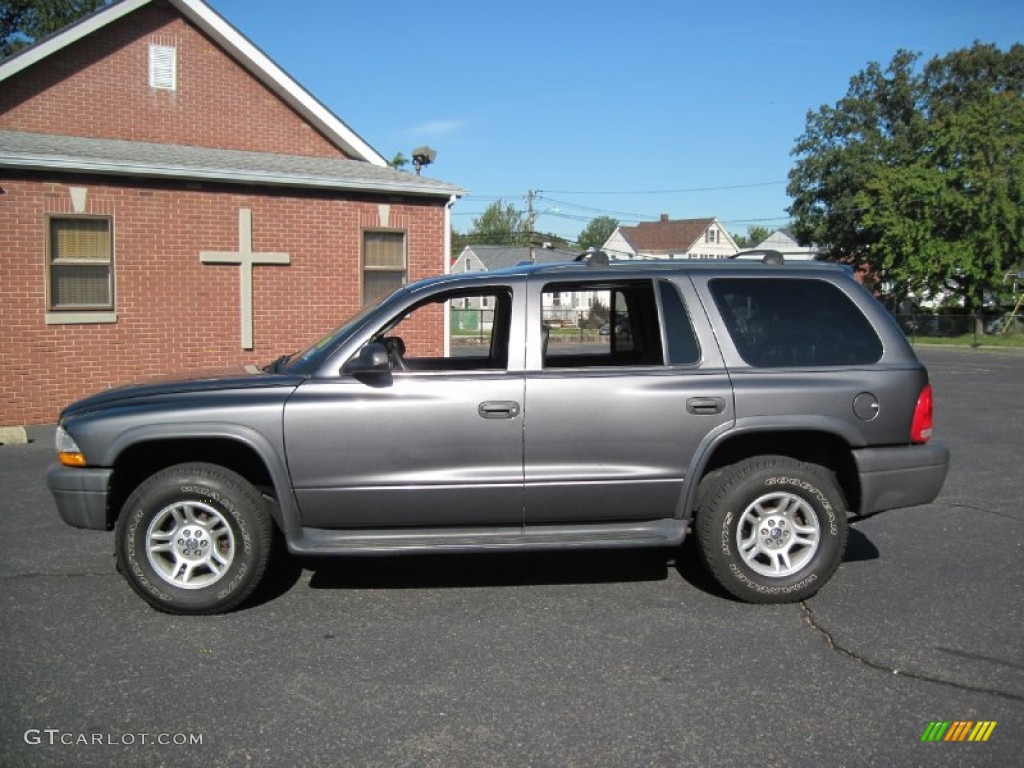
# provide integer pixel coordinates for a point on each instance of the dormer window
(711, 236)
(163, 67)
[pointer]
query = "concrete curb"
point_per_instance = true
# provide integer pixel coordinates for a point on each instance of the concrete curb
(13, 436)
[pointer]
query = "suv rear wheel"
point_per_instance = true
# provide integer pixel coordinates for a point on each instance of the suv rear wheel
(772, 529)
(193, 539)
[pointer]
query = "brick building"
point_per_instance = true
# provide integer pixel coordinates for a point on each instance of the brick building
(171, 200)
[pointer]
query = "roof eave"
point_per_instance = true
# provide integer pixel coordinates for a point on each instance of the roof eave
(234, 176)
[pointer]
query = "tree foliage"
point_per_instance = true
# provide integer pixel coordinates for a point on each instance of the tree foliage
(501, 223)
(23, 22)
(918, 173)
(756, 234)
(597, 232)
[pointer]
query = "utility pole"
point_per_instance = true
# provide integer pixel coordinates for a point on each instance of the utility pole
(529, 221)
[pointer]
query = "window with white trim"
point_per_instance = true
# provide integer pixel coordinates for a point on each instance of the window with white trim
(163, 67)
(384, 264)
(80, 261)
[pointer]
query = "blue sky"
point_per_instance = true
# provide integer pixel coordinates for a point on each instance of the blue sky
(628, 109)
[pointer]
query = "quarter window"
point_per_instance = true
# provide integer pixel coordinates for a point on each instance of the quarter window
(790, 322)
(384, 264)
(682, 342)
(80, 263)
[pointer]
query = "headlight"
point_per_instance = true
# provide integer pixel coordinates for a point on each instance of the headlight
(68, 452)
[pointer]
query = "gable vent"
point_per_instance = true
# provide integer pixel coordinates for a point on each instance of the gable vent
(163, 60)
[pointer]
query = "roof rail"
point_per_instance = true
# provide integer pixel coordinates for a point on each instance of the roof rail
(768, 256)
(594, 257)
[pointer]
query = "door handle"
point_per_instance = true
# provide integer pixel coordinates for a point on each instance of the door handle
(703, 406)
(498, 409)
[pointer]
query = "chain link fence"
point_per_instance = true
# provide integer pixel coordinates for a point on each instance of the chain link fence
(472, 327)
(1005, 330)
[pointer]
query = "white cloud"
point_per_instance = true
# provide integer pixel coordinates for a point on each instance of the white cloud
(435, 128)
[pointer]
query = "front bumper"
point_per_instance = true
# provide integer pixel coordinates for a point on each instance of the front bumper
(900, 476)
(81, 494)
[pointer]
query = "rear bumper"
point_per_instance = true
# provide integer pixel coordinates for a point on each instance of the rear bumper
(81, 495)
(900, 476)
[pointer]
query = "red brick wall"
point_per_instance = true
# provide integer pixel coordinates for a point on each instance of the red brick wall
(174, 313)
(99, 87)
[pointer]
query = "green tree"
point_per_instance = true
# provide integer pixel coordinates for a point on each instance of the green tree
(501, 223)
(23, 22)
(597, 232)
(918, 173)
(399, 161)
(756, 234)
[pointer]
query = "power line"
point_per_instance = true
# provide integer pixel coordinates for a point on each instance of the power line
(664, 191)
(622, 216)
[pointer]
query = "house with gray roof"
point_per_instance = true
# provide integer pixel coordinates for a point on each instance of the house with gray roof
(478, 258)
(782, 241)
(172, 201)
(560, 309)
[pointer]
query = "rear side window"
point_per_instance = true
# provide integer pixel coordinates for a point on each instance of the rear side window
(609, 323)
(794, 322)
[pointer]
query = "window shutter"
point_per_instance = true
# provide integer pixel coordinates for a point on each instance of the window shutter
(163, 67)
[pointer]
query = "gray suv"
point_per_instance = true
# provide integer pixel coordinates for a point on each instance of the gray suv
(756, 405)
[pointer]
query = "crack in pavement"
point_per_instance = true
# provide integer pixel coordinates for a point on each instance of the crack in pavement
(961, 505)
(39, 575)
(833, 645)
(859, 518)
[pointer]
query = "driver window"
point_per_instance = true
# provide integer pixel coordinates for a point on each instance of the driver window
(477, 338)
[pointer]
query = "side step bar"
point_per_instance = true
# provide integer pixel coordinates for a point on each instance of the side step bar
(420, 541)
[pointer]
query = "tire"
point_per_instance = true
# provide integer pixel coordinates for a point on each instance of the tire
(772, 529)
(193, 539)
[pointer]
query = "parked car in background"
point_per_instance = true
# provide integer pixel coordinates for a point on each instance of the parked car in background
(621, 326)
(1008, 323)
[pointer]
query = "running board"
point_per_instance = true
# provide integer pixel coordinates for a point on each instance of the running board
(421, 541)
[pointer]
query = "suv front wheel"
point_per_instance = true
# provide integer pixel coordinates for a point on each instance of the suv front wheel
(193, 539)
(772, 529)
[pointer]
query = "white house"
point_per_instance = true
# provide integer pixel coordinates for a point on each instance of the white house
(783, 242)
(672, 239)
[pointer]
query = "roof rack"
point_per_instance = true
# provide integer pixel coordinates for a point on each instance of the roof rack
(594, 257)
(768, 256)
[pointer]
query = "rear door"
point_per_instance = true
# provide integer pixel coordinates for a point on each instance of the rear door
(619, 395)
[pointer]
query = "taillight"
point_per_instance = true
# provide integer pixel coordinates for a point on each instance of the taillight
(921, 426)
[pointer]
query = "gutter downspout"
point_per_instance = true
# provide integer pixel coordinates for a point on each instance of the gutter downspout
(447, 270)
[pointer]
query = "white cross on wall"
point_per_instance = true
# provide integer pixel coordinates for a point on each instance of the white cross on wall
(246, 258)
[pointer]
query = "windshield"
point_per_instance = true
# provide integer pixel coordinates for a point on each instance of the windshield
(308, 361)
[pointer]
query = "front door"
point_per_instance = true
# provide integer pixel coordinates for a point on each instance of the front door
(437, 441)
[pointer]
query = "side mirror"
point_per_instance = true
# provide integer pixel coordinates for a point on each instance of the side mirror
(372, 358)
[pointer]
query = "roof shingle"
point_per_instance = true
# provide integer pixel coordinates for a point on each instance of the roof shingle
(44, 151)
(665, 236)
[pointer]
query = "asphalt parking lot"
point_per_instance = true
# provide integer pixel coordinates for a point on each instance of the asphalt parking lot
(592, 659)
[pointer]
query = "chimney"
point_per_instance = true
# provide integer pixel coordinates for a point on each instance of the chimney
(664, 217)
